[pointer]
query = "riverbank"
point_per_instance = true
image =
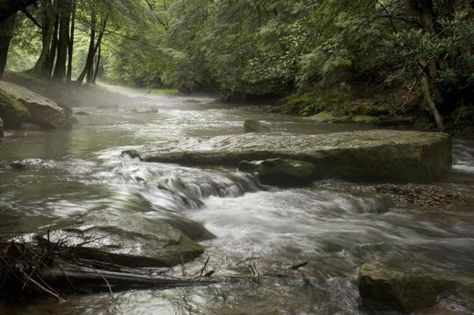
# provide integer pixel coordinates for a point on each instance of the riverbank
(396, 107)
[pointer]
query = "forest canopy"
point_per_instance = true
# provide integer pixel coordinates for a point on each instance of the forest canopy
(252, 48)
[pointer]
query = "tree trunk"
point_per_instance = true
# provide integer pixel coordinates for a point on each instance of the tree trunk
(90, 72)
(6, 34)
(426, 13)
(97, 66)
(71, 42)
(47, 30)
(65, 8)
(49, 67)
(90, 53)
(9, 8)
(93, 48)
(425, 86)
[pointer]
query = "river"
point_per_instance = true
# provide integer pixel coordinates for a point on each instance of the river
(81, 171)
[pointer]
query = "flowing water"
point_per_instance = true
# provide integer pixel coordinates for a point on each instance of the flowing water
(78, 172)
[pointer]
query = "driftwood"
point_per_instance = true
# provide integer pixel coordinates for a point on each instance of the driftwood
(55, 270)
(28, 268)
(100, 279)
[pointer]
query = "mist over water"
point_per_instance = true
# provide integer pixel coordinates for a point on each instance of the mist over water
(81, 172)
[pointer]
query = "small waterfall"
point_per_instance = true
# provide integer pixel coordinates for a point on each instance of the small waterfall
(463, 156)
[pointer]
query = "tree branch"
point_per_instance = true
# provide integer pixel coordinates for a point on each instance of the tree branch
(31, 17)
(13, 6)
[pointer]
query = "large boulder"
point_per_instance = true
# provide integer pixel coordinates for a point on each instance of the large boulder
(280, 172)
(375, 155)
(384, 289)
(13, 112)
(43, 111)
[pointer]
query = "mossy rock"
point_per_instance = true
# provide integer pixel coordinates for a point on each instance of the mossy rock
(324, 117)
(42, 111)
(366, 119)
(329, 117)
(13, 112)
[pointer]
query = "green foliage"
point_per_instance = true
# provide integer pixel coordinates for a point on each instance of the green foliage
(320, 50)
(451, 50)
(25, 46)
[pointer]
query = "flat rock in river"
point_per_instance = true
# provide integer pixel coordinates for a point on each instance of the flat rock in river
(43, 111)
(375, 155)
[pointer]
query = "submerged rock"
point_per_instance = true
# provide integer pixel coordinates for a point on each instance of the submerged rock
(43, 112)
(31, 164)
(251, 125)
(375, 155)
(155, 244)
(82, 113)
(134, 154)
(384, 289)
(280, 172)
(145, 111)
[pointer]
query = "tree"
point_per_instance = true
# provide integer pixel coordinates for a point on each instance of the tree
(64, 20)
(6, 34)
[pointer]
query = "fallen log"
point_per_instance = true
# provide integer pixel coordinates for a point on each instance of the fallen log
(28, 268)
(72, 277)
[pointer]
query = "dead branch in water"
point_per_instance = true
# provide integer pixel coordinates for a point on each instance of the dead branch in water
(53, 270)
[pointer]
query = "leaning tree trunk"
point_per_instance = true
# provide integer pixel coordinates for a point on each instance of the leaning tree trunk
(93, 48)
(47, 31)
(425, 86)
(91, 74)
(71, 42)
(65, 8)
(426, 13)
(90, 53)
(97, 66)
(6, 34)
(49, 67)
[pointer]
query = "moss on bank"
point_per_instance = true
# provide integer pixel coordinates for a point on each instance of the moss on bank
(13, 112)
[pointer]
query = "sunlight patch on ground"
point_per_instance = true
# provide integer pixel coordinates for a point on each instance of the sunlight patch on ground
(138, 91)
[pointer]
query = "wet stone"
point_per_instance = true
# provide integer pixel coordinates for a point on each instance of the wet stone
(280, 172)
(375, 155)
(383, 289)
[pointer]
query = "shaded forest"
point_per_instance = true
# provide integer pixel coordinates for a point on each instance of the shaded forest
(404, 56)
